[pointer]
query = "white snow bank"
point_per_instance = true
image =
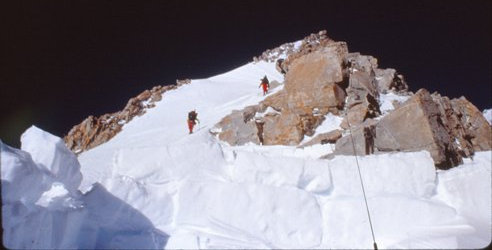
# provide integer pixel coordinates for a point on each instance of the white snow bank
(395, 219)
(310, 175)
(22, 180)
(411, 174)
(53, 156)
(39, 211)
(488, 115)
(29, 197)
(264, 216)
(467, 188)
(312, 152)
(110, 223)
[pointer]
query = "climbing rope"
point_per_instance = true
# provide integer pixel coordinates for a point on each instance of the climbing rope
(362, 185)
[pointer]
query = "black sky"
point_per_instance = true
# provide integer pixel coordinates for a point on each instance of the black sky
(64, 60)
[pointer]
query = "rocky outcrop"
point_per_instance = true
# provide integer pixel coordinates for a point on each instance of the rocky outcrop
(322, 77)
(448, 129)
(312, 80)
(284, 128)
(418, 125)
(453, 124)
(389, 80)
(288, 52)
(312, 88)
(94, 131)
(240, 127)
(309, 44)
(476, 128)
(362, 90)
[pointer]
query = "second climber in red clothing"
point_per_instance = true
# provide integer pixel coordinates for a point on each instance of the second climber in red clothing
(265, 84)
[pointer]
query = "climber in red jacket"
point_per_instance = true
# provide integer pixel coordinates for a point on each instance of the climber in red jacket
(265, 84)
(192, 119)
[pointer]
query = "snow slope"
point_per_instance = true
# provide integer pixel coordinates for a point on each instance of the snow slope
(155, 186)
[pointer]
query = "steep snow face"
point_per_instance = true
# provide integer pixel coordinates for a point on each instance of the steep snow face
(156, 186)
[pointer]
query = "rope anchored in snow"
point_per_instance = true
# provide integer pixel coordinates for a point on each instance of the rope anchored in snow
(362, 185)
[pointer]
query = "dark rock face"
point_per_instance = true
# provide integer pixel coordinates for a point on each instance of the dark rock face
(453, 124)
(418, 125)
(476, 129)
(94, 131)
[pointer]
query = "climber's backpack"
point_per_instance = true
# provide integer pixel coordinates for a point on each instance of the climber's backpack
(192, 115)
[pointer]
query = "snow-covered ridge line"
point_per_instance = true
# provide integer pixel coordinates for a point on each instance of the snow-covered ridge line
(94, 131)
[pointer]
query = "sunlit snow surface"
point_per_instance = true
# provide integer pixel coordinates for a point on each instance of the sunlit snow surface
(156, 186)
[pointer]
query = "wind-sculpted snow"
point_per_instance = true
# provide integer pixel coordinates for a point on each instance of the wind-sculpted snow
(53, 156)
(467, 189)
(42, 209)
(254, 213)
(386, 174)
(309, 175)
